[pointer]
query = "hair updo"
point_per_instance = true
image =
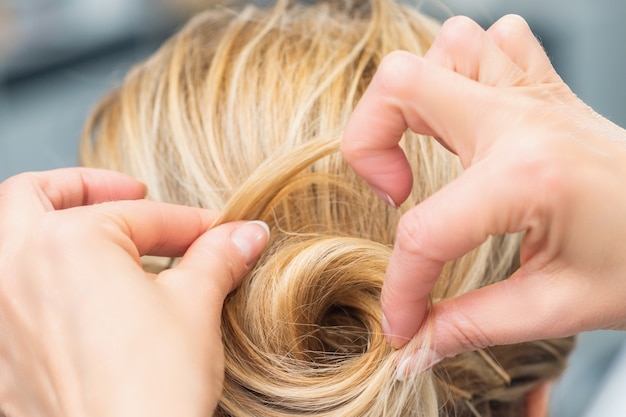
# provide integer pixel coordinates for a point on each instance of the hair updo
(242, 112)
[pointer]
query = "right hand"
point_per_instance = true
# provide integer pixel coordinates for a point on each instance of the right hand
(537, 160)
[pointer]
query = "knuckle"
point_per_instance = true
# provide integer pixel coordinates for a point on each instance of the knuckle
(60, 240)
(412, 235)
(511, 26)
(54, 233)
(547, 171)
(395, 71)
(552, 179)
(457, 31)
(517, 22)
(463, 332)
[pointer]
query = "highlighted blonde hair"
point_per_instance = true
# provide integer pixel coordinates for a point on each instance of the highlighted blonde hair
(242, 112)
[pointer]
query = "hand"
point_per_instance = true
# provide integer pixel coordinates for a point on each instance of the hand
(537, 160)
(86, 332)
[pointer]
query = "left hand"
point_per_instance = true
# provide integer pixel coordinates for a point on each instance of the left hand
(86, 332)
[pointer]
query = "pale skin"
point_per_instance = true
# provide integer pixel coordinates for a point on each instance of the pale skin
(537, 160)
(86, 332)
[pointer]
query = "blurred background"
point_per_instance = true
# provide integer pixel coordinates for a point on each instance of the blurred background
(57, 57)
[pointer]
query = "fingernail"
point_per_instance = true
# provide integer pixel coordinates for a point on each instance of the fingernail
(386, 328)
(251, 238)
(401, 369)
(384, 196)
(145, 188)
(419, 362)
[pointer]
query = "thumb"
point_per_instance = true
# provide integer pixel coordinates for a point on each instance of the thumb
(523, 308)
(213, 266)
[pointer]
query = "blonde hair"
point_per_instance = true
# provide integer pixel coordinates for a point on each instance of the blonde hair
(242, 111)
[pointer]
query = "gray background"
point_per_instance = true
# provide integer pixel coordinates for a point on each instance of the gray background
(57, 57)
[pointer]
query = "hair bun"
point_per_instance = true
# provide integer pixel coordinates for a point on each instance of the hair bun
(307, 335)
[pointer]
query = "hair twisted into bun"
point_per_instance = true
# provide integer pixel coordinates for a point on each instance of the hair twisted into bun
(306, 328)
(242, 112)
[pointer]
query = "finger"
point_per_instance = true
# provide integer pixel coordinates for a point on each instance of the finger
(522, 308)
(449, 224)
(370, 143)
(408, 91)
(65, 188)
(515, 38)
(464, 47)
(214, 265)
(145, 227)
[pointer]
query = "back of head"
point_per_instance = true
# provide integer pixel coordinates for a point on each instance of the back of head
(242, 111)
